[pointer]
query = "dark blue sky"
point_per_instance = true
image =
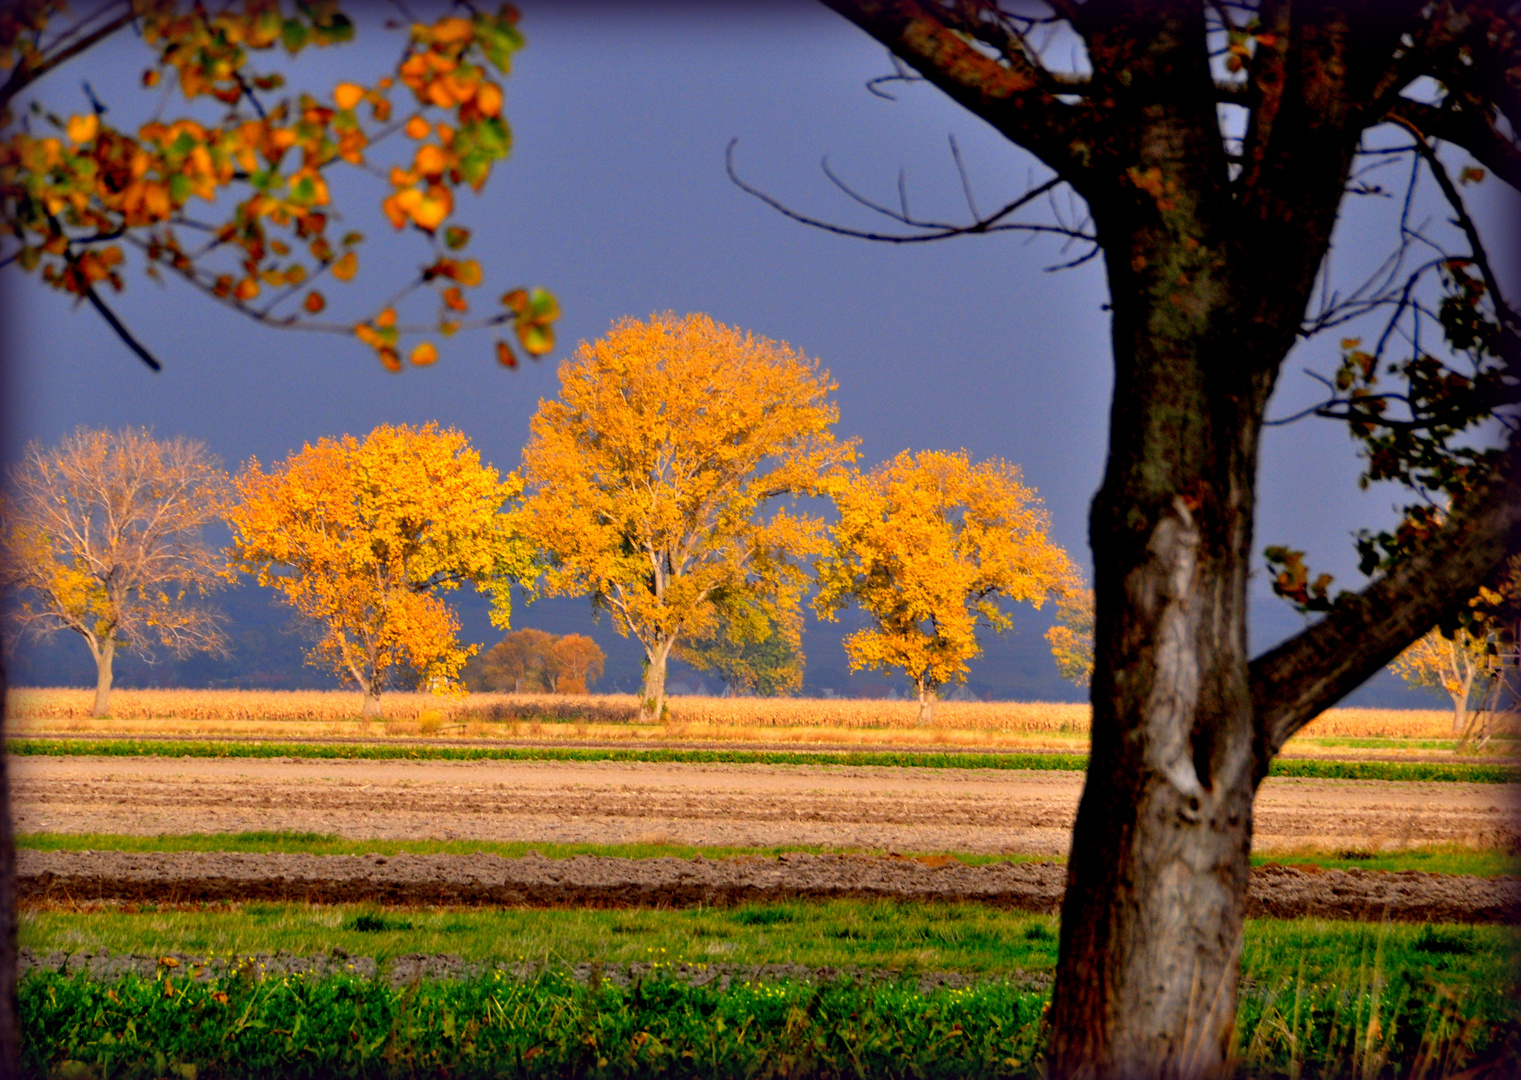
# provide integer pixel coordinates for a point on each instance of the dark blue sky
(615, 197)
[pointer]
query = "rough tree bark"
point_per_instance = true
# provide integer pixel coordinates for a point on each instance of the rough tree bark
(1210, 275)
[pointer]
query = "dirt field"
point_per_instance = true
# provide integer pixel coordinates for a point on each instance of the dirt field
(909, 810)
(595, 881)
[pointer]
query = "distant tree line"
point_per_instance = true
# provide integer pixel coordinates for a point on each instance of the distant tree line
(654, 485)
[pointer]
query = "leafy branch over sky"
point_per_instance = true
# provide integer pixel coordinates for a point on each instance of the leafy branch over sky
(235, 198)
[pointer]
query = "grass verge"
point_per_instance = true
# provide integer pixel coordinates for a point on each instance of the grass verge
(1436, 859)
(1327, 999)
(974, 939)
(1467, 772)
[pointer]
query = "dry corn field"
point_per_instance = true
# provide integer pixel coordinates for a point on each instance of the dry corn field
(250, 712)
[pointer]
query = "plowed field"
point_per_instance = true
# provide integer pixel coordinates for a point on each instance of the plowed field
(910, 810)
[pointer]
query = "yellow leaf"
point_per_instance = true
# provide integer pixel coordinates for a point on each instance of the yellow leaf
(346, 267)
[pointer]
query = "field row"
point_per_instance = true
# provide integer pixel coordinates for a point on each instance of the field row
(33, 707)
(1404, 771)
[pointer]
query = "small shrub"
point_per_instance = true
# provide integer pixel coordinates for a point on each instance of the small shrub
(368, 923)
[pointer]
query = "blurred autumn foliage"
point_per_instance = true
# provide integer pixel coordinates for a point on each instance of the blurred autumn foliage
(360, 537)
(928, 545)
(235, 198)
(650, 479)
(532, 661)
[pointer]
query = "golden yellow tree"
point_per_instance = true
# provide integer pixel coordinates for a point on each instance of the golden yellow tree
(928, 544)
(100, 536)
(649, 479)
(1448, 665)
(361, 537)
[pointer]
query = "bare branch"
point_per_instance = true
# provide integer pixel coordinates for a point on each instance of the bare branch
(1014, 95)
(934, 230)
(121, 330)
(24, 74)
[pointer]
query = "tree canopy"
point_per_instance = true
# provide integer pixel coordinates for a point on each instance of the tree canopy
(360, 537)
(930, 545)
(650, 478)
(101, 536)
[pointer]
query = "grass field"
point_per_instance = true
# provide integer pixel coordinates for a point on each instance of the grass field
(1435, 859)
(1454, 771)
(1318, 999)
(264, 712)
(907, 936)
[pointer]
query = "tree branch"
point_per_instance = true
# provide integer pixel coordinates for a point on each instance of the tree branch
(1299, 679)
(23, 76)
(1012, 95)
(1467, 129)
(121, 329)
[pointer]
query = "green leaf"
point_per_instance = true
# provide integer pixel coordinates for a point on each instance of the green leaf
(294, 35)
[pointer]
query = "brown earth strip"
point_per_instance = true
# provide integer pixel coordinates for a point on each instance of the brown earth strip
(598, 881)
(891, 809)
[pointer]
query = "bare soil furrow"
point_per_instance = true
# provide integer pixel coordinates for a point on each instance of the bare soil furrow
(597, 881)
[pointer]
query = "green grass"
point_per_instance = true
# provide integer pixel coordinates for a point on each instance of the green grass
(1334, 770)
(1437, 859)
(1318, 998)
(1373, 1024)
(965, 937)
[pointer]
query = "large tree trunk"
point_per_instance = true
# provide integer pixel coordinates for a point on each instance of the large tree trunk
(104, 655)
(370, 710)
(652, 693)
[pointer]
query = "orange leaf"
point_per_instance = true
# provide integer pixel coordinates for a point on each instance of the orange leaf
(489, 99)
(418, 128)
(468, 272)
(504, 355)
(314, 302)
(386, 317)
(347, 95)
(345, 268)
(424, 354)
(455, 299)
(84, 128)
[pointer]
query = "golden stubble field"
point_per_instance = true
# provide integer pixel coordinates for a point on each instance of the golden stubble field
(603, 717)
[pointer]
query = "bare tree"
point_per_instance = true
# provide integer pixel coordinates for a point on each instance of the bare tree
(1209, 147)
(101, 537)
